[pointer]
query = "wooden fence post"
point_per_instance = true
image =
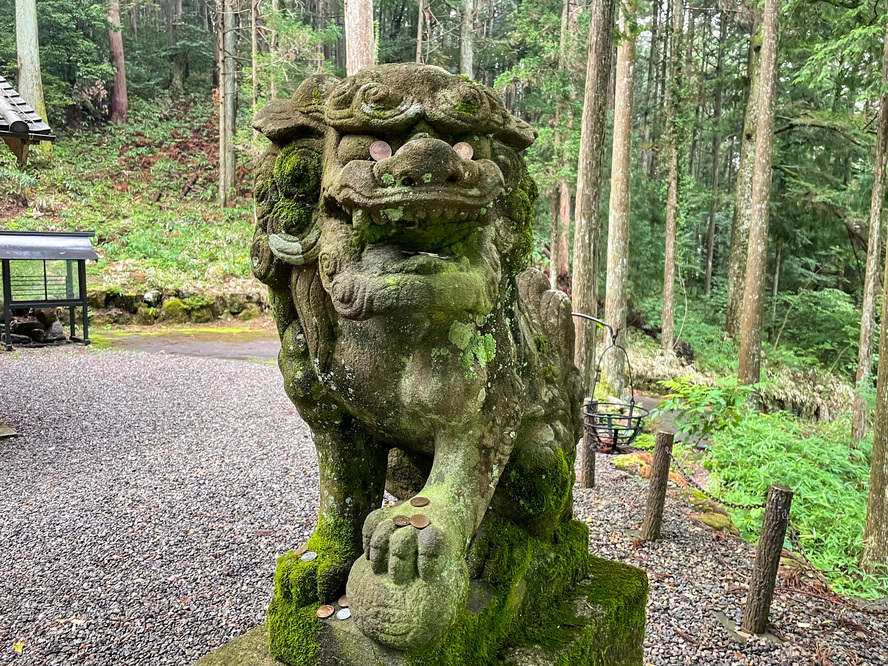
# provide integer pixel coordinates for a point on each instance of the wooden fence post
(587, 451)
(653, 515)
(767, 560)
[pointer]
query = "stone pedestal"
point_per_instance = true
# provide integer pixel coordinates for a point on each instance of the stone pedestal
(599, 623)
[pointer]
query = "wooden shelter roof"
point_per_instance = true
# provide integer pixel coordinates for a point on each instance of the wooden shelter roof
(17, 119)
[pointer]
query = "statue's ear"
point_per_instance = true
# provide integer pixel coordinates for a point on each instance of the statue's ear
(284, 120)
(517, 134)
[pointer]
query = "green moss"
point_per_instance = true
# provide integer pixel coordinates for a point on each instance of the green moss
(297, 173)
(174, 311)
(196, 302)
(467, 108)
(540, 486)
(292, 216)
(519, 209)
(541, 344)
(300, 587)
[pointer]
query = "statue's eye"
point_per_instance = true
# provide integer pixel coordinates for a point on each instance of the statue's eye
(476, 146)
(355, 147)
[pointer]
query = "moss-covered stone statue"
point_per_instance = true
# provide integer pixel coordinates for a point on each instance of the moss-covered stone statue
(394, 232)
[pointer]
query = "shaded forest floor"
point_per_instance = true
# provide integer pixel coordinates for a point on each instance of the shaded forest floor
(149, 190)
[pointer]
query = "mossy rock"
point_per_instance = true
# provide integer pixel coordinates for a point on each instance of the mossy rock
(251, 311)
(146, 316)
(718, 522)
(96, 299)
(174, 311)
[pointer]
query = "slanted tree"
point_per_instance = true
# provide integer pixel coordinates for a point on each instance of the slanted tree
(870, 285)
(360, 51)
(749, 371)
(736, 278)
(617, 292)
(673, 103)
(30, 80)
(587, 224)
(119, 102)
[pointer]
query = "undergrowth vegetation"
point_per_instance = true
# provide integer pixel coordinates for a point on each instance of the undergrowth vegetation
(149, 190)
(751, 450)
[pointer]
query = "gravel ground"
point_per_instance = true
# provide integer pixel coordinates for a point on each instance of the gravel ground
(143, 507)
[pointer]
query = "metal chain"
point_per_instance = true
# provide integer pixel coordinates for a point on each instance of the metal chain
(717, 500)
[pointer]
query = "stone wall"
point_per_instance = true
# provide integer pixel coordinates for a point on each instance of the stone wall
(174, 306)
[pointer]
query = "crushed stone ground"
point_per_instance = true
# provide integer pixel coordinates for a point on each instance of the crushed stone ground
(148, 496)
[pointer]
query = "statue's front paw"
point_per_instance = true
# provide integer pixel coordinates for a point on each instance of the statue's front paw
(410, 584)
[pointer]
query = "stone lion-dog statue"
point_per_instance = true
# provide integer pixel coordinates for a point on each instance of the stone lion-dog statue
(394, 233)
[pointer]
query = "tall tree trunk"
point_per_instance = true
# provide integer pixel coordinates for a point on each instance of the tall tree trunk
(673, 103)
(868, 308)
(560, 253)
(616, 293)
(466, 37)
(743, 188)
(650, 88)
(753, 298)
(119, 103)
(227, 10)
(716, 145)
(587, 223)
(30, 82)
(419, 33)
(254, 58)
(359, 49)
(178, 64)
(563, 265)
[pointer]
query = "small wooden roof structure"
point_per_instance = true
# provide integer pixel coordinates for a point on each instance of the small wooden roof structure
(20, 126)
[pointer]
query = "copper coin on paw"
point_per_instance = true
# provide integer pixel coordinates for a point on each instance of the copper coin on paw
(419, 501)
(301, 550)
(380, 150)
(343, 601)
(464, 150)
(401, 521)
(325, 611)
(420, 521)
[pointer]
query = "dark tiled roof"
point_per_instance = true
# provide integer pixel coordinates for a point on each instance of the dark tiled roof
(18, 119)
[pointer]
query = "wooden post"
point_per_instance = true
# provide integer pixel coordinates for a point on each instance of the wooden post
(767, 560)
(653, 516)
(587, 451)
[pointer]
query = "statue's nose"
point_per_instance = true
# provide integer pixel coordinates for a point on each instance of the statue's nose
(423, 161)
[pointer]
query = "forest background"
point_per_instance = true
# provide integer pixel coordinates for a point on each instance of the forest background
(653, 111)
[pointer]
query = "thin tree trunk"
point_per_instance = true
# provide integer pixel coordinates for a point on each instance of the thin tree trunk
(650, 88)
(254, 52)
(227, 97)
(419, 33)
(716, 145)
(736, 282)
(360, 51)
(560, 277)
(672, 109)
(466, 37)
(119, 103)
(563, 267)
(30, 82)
(616, 293)
(587, 224)
(751, 316)
(868, 308)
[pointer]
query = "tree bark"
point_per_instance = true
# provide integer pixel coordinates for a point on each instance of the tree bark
(672, 109)
(419, 33)
(587, 222)
(753, 298)
(119, 102)
(743, 190)
(616, 292)
(659, 482)
(716, 146)
(868, 308)
(254, 58)
(360, 52)
(30, 81)
(466, 37)
(227, 97)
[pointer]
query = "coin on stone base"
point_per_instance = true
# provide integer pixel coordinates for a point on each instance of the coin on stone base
(419, 501)
(420, 521)
(343, 601)
(309, 556)
(325, 611)
(344, 614)
(301, 550)
(401, 521)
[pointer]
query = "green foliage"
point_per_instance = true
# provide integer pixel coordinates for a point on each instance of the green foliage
(702, 411)
(829, 479)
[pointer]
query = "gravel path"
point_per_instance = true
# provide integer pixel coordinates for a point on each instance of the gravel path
(143, 507)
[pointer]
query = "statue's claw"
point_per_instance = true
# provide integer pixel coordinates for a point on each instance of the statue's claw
(411, 582)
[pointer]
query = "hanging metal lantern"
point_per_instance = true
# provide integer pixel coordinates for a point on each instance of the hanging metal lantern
(612, 426)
